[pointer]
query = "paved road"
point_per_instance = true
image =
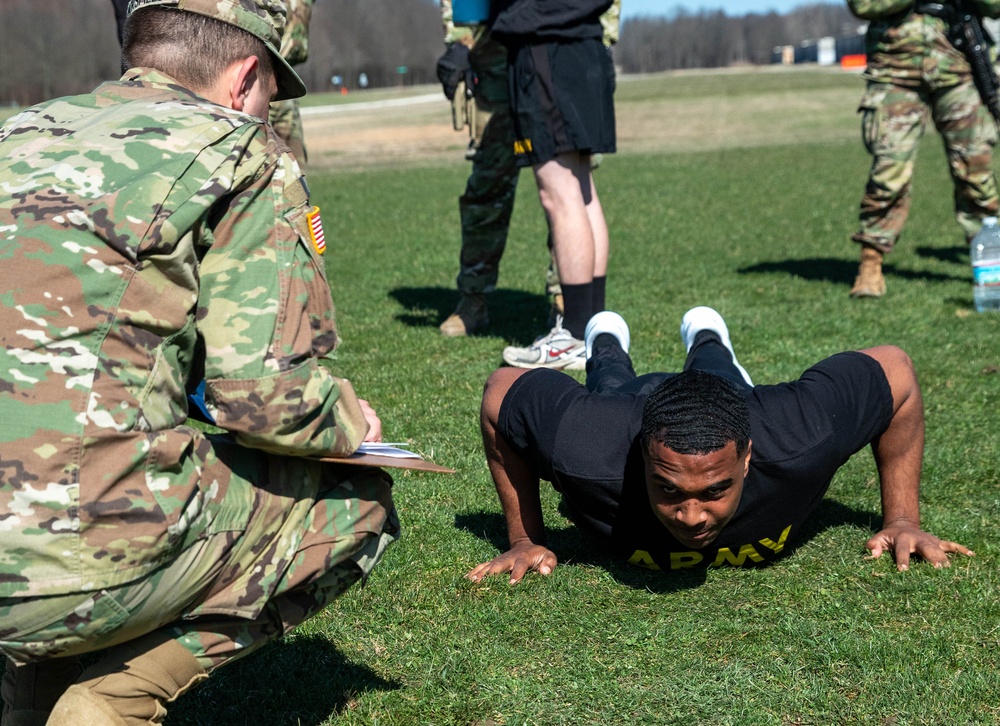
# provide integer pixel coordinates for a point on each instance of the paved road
(368, 105)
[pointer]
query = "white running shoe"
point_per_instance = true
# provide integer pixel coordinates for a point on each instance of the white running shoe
(609, 322)
(704, 318)
(557, 350)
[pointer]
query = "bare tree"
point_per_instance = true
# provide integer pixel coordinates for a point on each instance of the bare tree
(711, 39)
(52, 48)
(57, 47)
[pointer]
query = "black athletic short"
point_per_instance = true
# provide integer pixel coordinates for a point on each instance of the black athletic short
(562, 98)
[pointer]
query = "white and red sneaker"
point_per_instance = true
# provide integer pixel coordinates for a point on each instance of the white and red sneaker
(557, 350)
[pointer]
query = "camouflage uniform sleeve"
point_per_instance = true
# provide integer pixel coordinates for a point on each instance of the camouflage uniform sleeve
(267, 321)
(454, 33)
(875, 9)
(611, 23)
(295, 40)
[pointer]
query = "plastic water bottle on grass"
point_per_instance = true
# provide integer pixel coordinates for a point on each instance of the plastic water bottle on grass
(985, 254)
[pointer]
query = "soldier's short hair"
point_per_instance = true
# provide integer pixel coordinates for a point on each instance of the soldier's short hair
(194, 49)
(696, 412)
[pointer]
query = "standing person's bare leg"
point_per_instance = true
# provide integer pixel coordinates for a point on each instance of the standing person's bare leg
(566, 192)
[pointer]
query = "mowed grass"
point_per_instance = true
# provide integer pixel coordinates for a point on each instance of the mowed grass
(823, 636)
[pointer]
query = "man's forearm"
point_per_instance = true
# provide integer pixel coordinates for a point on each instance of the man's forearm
(518, 490)
(899, 472)
(899, 451)
(516, 484)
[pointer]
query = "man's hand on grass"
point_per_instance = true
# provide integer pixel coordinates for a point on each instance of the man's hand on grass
(904, 539)
(518, 560)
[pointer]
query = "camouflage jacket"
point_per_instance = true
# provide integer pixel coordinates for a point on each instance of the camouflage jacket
(906, 48)
(150, 239)
(295, 39)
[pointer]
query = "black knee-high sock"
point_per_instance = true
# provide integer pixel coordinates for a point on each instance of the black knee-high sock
(597, 296)
(578, 305)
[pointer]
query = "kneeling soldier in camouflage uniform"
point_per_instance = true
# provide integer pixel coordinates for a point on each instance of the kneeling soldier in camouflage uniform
(155, 236)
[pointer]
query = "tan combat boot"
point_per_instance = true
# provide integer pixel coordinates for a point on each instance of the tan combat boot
(869, 282)
(130, 685)
(30, 691)
(469, 317)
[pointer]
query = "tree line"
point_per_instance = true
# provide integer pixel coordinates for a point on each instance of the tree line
(712, 39)
(57, 47)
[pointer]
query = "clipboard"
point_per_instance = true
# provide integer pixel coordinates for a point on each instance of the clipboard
(387, 462)
(387, 456)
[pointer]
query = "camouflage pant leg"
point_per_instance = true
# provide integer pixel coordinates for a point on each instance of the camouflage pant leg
(316, 530)
(969, 134)
(346, 533)
(218, 640)
(486, 206)
(893, 121)
(286, 120)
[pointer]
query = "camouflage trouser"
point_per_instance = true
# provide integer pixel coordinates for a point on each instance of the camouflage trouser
(488, 202)
(286, 119)
(315, 529)
(893, 123)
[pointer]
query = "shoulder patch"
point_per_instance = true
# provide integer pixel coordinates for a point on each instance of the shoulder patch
(316, 231)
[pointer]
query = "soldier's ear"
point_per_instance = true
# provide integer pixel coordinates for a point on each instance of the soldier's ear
(241, 77)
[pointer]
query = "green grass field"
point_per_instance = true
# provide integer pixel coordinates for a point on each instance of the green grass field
(759, 230)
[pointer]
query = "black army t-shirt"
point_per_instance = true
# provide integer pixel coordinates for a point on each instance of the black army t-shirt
(587, 445)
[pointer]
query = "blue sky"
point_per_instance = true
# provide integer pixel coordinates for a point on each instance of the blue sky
(632, 8)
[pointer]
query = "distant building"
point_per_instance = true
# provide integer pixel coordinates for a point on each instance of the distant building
(826, 51)
(847, 50)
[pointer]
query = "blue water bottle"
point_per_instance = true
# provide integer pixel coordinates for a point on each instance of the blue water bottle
(470, 12)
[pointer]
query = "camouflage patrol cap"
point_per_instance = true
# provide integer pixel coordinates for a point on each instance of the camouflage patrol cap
(264, 19)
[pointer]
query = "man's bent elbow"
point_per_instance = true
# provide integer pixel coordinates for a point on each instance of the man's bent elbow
(893, 359)
(899, 371)
(494, 392)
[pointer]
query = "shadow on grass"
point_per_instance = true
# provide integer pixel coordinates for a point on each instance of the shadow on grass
(515, 315)
(828, 515)
(300, 682)
(574, 546)
(829, 269)
(958, 254)
(962, 302)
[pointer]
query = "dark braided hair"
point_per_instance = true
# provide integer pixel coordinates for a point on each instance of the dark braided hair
(696, 412)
